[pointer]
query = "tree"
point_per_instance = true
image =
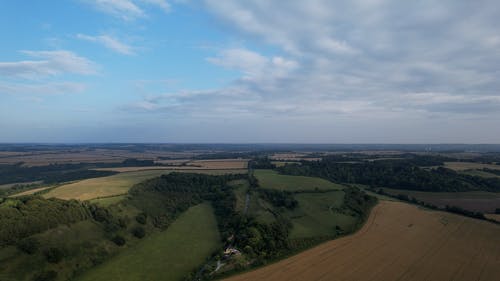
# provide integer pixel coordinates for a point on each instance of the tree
(28, 245)
(54, 255)
(139, 232)
(119, 240)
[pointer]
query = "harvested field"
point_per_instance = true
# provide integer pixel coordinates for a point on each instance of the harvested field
(114, 185)
(462, 166)
(478, 201)
(493, 216)
(398, 242)
(31, 191)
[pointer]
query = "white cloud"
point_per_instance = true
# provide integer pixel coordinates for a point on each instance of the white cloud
(109, 42)
(253, 64)
(50, 63)
(128, 9)
(43, 76)
(124, 9)
(50, 88)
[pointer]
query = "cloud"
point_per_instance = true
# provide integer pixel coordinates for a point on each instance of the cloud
(127, 9)
(253, 64)
(50, 63)
(50, 88)
(381, 70)
(108, 42)
(45, 75)
(124, 9)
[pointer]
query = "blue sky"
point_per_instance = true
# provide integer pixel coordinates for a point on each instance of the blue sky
(250, 71)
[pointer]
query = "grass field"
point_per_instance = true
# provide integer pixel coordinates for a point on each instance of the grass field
(113, 185)
(271, 179)
(168, 255)
(316, 215)
(479, 201)
(461, 166)
(480, 173)
(398, 242)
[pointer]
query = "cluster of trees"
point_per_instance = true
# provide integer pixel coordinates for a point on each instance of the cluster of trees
(48, 174)
(54, 173)
(23, 217)
(399, 174)
(261, 163)
(278, 198)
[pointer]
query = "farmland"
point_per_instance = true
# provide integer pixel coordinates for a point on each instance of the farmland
(168, 255)
(317, 215)
(462, 166)
(271, 179)
(113, 185)
(399, 242)
(478, 201)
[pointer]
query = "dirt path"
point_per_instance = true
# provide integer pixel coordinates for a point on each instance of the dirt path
(398, 242)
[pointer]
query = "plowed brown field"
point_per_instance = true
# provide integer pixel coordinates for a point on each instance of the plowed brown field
(398, 242)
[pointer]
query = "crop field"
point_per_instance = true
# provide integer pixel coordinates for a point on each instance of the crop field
(31, 191)
(461, 166)
(398, 242)
(316, 215)
(493, 216)
(113, 185)
(479, 201)
(168, 255)
(101, 187)
(271, 179)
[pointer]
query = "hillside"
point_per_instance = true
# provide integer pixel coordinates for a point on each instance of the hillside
(399, 242)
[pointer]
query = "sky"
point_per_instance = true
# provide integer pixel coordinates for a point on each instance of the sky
(249, 71)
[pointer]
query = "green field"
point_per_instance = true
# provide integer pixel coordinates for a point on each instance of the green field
(317, 215)
(271, 179)
(168, 255)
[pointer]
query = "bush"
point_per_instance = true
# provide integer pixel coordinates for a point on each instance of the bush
(54, 255)
(28, 245)
(139, 232)
(119, 240)
(141, 218)
(48, 275)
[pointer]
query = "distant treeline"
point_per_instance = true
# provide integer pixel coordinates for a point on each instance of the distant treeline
(54, 173)
(398, 174)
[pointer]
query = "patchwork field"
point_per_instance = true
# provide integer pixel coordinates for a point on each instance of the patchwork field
(398, 242)
(168, 255)
(271, 179)
(479, 201)
(113, 185)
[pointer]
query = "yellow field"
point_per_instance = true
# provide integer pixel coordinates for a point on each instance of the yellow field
(398, 242)
(493, 216)
(31, 191)
(462, 166)
(113, 185)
